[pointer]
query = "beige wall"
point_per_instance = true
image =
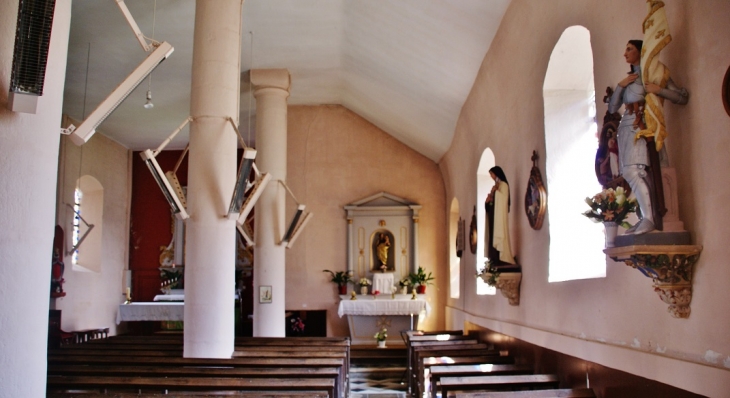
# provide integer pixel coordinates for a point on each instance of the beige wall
(335, 158)
(617, 321)
(92, 298)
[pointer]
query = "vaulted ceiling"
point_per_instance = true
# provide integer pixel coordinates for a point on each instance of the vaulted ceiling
(406, 66)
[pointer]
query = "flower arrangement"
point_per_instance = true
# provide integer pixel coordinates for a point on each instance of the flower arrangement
(364, 282)
(382, 335)
(297, 325)
(376, 293)
(489, 274)
(341, 278)
(404, 282)
(611, 205)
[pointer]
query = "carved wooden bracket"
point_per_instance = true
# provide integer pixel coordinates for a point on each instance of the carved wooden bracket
(508, 283)
(669, 266)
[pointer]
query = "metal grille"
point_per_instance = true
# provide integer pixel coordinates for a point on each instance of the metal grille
(32, 38)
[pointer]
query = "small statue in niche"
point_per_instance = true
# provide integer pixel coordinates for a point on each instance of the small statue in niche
(382, 250)
(497, 204)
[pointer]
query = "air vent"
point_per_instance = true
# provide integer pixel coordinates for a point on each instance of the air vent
(32, 39)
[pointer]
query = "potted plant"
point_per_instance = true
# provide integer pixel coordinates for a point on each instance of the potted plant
(611, 207)
(420, 279)
(341, 278)
(381, 336)
(364, 283)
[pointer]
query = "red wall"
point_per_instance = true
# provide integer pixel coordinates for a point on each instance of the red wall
(150, 224)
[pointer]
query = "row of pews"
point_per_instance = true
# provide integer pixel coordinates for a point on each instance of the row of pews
(150, 366)
(455, 365)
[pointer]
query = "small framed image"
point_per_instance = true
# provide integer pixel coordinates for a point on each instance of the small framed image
(265, 294)
(536, 196)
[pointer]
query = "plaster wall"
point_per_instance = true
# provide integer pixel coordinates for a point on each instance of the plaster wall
(617, 321)
(92, 297)
(28, 160)
(336, 157)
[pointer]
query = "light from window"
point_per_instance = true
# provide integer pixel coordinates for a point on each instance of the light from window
(76, 225)
(576, 243)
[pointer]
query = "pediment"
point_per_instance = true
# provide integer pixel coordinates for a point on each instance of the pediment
(381, 199)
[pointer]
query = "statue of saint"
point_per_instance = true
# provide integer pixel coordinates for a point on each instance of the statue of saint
(382, 250)
(497, 206)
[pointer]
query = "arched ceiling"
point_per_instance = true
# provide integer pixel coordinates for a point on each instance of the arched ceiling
(406, 66)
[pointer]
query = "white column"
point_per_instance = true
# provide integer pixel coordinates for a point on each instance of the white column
(350, 237)
(212, 168)
(271, 90)
(28, 168)
(414, 246)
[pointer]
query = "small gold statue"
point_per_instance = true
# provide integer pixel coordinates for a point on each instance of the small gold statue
(353, 296)
(413, 296)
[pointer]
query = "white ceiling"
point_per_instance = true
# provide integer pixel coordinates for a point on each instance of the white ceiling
(404, 65)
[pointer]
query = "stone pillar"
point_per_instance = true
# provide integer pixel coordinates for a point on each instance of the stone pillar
(271, 90)
(210, 236)
(350, 237)
(414, 246)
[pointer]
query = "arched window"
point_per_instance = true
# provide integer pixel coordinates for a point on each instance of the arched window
(454, 260)
(576, 243)
(484, 185)
(89, 203)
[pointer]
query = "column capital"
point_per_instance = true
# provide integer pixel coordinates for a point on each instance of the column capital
(270, 78)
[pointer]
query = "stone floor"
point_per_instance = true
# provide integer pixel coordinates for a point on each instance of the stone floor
(377, 377)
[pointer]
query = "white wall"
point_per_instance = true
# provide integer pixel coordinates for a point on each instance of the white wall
(617, 321)
(92, 297)
(28, 161)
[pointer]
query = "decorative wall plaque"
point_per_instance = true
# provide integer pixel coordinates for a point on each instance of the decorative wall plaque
(536, 196)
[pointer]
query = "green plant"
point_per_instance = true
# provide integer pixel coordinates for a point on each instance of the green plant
(420, 277)
(491, 274)
(611, 205)
(341, 278)
(382, 335)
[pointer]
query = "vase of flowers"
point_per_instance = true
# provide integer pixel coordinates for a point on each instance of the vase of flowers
(612, 208)
(364, 283)
(489, 274)
(341, 278)
(403, 284)
(381, 336)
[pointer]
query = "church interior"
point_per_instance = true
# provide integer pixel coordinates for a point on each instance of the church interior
(371, 132)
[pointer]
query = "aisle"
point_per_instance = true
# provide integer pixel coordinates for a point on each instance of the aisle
(377, 373)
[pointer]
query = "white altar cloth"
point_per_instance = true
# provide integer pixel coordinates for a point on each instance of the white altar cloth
(149, 311)
(169, 297)
(367, 305)
(383, 282)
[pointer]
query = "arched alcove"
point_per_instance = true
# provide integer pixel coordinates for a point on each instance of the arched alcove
(484, 185)
(89, 203)
(570, 141)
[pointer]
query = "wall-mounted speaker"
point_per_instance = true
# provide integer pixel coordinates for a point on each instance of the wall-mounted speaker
(32, 39)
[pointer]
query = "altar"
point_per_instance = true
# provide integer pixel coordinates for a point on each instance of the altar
(151, 311)
(367, 314)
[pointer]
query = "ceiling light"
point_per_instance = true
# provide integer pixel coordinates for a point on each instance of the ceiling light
(149, 104)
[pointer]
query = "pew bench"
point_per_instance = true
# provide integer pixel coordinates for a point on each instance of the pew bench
(182, 384)
(556, 393)
(498, 383)
(227, 394)
(483, 369)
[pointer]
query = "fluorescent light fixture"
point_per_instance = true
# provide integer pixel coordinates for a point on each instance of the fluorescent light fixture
(242, 183)
(297, 230)
(247, 234)
(174, 197)
(79, 135)
(254, 194)
(300, 219)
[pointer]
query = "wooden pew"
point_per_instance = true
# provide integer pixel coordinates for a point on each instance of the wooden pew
(438, 371)
(277, 352)
(555, 393)
(227, 394)
(164, 384)
(419, 353)
(420, 335)
(498, 383)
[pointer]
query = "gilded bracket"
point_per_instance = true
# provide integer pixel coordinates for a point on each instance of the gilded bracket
(506, 282)
(670, 268)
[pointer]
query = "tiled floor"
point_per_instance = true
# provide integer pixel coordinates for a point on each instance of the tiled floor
(377, 381)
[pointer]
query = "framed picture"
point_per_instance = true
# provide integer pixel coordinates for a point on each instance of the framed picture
(473, 233)
(726, 91)
(265, 294)
(536, 196)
